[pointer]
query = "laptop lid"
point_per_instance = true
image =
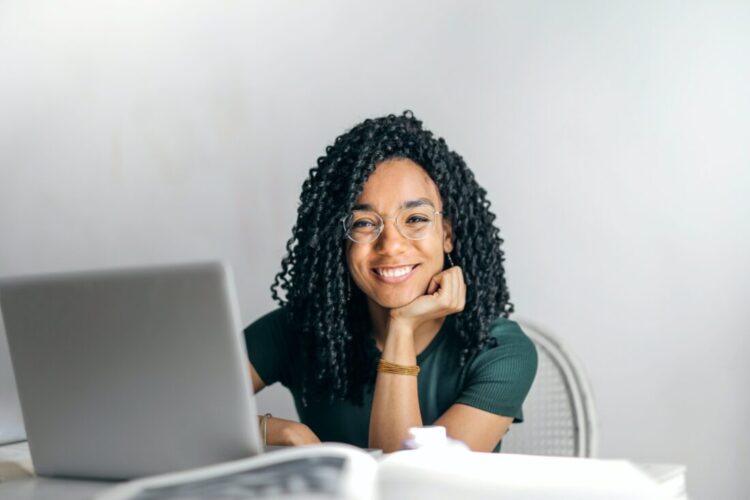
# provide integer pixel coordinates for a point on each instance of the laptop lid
(132, 372)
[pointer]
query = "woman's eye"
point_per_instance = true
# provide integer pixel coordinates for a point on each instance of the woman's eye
(362, 224)
(416, 219)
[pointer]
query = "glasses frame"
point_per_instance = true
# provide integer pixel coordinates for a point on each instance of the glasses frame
(381, 226)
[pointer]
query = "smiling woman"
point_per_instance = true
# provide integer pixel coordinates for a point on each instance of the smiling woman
(395, 308)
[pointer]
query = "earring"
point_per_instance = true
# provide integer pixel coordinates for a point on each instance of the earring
(348, 287)
(450, 261)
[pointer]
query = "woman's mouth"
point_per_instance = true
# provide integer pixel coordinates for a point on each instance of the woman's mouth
(394, 274)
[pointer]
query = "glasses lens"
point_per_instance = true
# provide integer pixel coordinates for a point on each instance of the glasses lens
(414, 223)
(363, 226)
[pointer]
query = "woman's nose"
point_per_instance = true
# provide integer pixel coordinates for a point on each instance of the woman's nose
(390, 239)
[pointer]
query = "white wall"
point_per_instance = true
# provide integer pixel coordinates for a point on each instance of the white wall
(613, 139)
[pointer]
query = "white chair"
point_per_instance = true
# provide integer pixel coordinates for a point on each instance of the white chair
(559, 414)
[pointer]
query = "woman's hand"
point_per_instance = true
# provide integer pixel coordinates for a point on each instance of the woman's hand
(446, 294)
(289, 433)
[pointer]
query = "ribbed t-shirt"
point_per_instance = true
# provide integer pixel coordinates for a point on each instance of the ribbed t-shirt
(496, 379)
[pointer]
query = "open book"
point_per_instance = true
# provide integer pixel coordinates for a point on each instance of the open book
(346, 472)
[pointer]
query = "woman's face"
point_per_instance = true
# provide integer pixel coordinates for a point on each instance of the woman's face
(378, 267)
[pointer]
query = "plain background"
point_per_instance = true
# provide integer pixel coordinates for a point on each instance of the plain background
(612, 137)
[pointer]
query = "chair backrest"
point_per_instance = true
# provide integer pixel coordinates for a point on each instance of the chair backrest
(559, 414)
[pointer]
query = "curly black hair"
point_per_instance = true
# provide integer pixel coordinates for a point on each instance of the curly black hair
(330, 313)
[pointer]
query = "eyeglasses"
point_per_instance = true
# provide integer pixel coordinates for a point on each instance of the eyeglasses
(364, 226)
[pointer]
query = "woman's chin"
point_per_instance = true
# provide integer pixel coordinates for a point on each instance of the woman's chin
(397, 300)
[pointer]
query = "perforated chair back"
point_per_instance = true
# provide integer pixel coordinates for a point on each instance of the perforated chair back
(559, 414)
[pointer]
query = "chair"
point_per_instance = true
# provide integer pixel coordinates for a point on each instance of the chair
(559, 414)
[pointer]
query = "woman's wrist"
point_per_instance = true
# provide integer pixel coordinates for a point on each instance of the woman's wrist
(399, 326)
(289, 433)
(399, 345)
(264, 427)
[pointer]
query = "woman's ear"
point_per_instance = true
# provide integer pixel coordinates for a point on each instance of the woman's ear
(447, 235)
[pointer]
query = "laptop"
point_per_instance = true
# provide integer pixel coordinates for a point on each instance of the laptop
(127, 373)
(11, 421)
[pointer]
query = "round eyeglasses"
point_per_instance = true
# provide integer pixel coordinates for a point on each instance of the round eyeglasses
(364, 226)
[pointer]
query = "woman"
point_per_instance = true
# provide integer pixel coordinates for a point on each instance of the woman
(395, 303)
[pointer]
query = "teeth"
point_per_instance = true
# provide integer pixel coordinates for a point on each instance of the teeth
(395, 272)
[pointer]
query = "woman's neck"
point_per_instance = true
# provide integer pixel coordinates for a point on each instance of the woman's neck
(379, 317)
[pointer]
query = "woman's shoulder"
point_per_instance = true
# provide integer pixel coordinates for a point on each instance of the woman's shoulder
(268, 348)
(500, 375)
(273, 321)
(506, 329)
(511, 346)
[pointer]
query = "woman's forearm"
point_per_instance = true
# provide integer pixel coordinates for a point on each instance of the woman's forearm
(395, 404)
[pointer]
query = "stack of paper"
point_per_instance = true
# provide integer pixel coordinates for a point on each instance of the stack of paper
(439, 475)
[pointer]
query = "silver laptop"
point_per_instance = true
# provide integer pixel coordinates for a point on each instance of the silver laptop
(130, 372)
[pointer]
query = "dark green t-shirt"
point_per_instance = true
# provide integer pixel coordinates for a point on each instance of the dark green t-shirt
(496, 379)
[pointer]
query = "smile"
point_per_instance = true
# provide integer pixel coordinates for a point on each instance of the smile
(394, 274)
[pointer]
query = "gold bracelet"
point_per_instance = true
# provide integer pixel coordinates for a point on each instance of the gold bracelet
(264, 425)
(388, 367)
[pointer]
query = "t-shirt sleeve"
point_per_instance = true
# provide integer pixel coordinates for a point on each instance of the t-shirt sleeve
(499, 378)
(266, 347)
